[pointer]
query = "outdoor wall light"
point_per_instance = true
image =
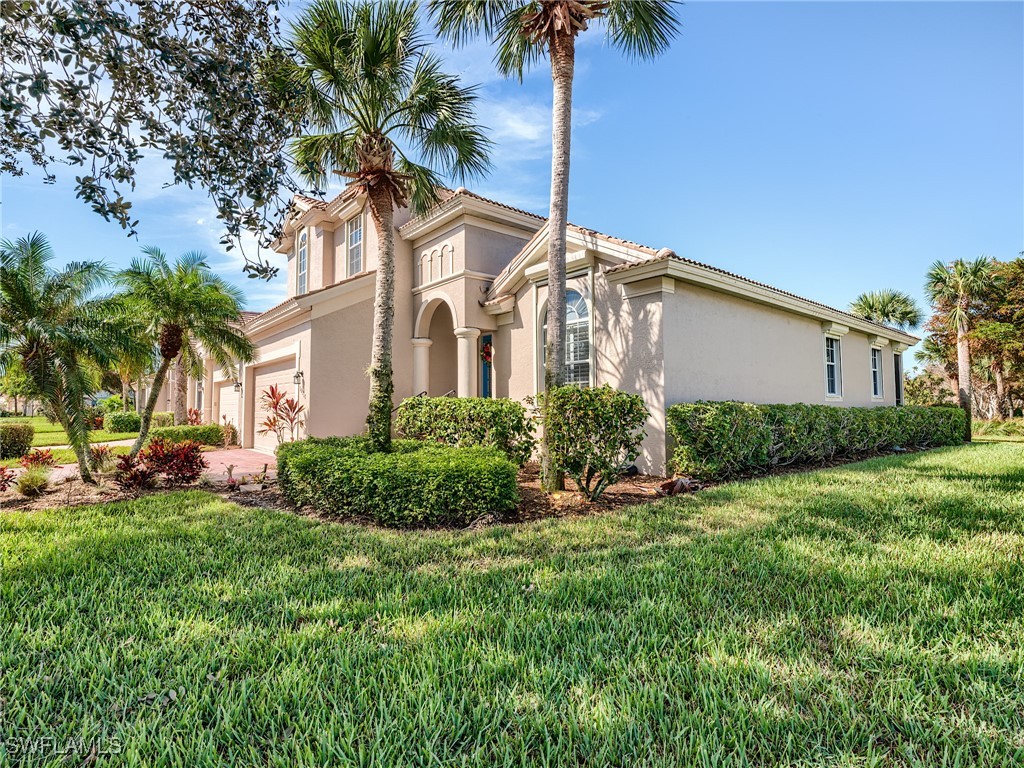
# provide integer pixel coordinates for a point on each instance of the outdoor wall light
(299, 378)
(238, 386)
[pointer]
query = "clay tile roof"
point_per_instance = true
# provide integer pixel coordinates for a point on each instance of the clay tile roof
(248, 316)
(447, 195)
(313, 202)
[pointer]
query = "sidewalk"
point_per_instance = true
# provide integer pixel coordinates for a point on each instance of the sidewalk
(245, 460)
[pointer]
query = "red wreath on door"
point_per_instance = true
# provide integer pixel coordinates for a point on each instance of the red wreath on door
(487, 352)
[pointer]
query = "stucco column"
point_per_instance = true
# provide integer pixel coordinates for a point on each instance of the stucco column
(421, 365)
(467, 361)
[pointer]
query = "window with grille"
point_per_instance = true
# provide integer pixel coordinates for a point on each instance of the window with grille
(833, 371)
(301, 264)
(876, 372)
(354, 228)
(577, 340)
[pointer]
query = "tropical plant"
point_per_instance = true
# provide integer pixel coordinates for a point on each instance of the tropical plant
(888, 307)
(382, 113)
(14, 383)
(53, 323)
(186, 305)
(525, 32)
(952, 289)
(284, 414)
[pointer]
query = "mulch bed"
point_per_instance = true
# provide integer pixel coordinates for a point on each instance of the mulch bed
(70, 492)
(536, 504)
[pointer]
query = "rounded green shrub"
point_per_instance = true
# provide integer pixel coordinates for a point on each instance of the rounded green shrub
(469, 421)
(33, 481)
(15, 439)
(162, 419)
(122, 421)
(416, 484)
(206, 434)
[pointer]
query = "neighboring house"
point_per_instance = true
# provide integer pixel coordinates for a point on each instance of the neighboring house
(471, 283)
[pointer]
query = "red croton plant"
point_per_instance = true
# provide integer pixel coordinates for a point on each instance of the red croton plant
(284, 414)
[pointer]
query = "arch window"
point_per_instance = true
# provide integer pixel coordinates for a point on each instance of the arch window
(577, 340)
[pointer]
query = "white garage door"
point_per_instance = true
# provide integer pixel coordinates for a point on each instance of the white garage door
(279, 374)
(225, 403)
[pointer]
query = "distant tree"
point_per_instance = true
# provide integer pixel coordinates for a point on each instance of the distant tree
(525, 32)
(888, 307)
(16, 385)
(385, 115)
(97, 85)
(185, 305)
(927, 388)
(56, 326)
(953, 289)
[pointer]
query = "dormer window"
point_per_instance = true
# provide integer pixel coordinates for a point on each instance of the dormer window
(301, 264)
(354, 228)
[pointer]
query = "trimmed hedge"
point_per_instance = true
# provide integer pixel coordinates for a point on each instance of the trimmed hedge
(416, 484)
(162, 419)
(726, 439)
(469, 421)
(207, 434)
(15, 439)
(122, 421)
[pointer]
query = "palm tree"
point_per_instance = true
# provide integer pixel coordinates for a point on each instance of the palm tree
(386, 116)
(524, 32)
(186, 305)
(952, 288)
(58, 331)
(888, 307)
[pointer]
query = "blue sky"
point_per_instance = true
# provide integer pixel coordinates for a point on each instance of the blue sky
(824, 148)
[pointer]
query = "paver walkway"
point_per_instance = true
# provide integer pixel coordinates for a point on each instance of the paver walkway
(244, 460)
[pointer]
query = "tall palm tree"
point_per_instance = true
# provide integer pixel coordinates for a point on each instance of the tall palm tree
(385, 115)
(889, 307)
(952, 289)
(185, 305)
(59, 330)
(524, 32)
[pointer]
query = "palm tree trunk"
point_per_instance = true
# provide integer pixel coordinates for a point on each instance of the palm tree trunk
(562, 49)
(963, 361)
(1002, 402)
(180, 392)
(154, 395)
(382, 386)
(125, 389)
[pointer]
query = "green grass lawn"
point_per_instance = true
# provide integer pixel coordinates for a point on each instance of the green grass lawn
(48, 434)
(66, 456)
(868, 615)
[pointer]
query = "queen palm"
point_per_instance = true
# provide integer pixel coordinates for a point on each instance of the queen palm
(383, 114)
(58, 330)
(888, 307)
(524, 32)
(952, 289)
(186, 305)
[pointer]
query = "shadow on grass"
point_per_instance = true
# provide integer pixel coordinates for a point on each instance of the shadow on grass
(858, 613)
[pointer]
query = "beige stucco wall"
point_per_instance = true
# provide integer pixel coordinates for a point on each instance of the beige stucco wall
(725, 348)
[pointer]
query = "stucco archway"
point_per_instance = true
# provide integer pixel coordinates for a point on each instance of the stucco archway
(424, 317)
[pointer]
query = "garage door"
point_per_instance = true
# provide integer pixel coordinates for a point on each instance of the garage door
(278, 374)
(225, 403)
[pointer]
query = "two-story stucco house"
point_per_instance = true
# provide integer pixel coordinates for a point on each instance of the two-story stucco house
(473, 272)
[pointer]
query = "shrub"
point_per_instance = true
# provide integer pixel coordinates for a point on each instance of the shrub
(195, 417)
(594, 434)
(417, 483)
(162, 419)
(122, 421)
(469, 421)
(133, 476)
(995, 428)
(15, 439)
(230, 433)
(93, 416)
(206, 434)
(33, 481)
(179, 463)
(6, 478)
(726, 439)
(111, 404)
(101, 458)
(38, 457)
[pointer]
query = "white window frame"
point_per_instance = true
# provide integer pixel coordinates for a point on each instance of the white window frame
(541, 339)
(349, 247)
(877, 374)
(838, 363)
(302, 263)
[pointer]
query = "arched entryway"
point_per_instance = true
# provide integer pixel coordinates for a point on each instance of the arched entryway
(444, 355)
